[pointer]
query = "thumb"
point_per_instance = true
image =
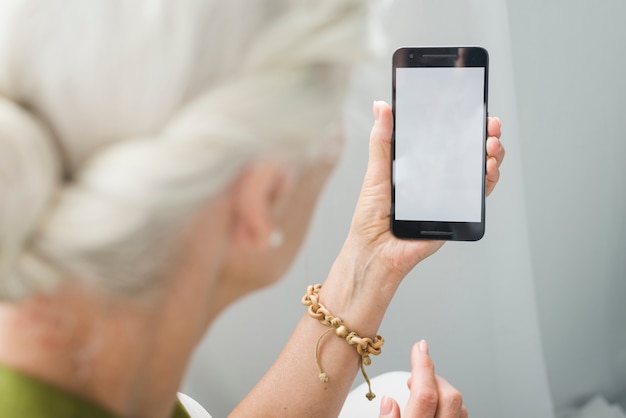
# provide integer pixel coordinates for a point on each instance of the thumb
(389, 408)
(379, 164)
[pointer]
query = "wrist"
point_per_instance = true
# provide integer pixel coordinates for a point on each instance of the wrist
(359, 289)
(364, 346)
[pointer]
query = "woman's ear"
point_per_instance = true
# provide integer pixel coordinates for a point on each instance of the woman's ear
(258, 200)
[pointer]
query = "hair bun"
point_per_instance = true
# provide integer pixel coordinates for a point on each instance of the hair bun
(153, 119)
(29, 179)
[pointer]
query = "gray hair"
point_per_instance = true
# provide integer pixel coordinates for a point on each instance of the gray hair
(119, 118)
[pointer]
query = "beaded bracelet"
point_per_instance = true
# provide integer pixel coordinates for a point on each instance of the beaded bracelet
(364, 346)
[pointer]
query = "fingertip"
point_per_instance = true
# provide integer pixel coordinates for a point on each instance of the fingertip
(493, 175)
(383, 124)
(420, 356)
(493, 172)
(389, 408)
(386, 406)
(380, 108)
(495, 126)
(493, 146)
(376, 109)
(495, 119)
(423, 346)
(492, 167)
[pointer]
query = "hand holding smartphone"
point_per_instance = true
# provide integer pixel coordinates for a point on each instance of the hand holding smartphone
(440, 132)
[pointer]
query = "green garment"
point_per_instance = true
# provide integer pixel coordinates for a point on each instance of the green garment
(22, 396)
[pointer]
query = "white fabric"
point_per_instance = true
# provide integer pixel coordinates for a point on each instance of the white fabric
(193, 408)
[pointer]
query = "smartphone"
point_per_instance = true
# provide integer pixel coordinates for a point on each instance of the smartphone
(439, 142)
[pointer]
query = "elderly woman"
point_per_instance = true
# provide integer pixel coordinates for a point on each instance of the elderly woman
(159, 160)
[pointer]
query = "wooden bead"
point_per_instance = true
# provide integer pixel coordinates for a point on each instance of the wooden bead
(341, 331)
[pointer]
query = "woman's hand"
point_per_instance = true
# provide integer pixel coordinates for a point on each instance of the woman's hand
(370, 232)
(431, 395)
(358, 289)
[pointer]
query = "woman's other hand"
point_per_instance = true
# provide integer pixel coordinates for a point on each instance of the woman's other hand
(431, 395)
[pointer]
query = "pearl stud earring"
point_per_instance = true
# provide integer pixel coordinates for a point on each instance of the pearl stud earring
(276, 238)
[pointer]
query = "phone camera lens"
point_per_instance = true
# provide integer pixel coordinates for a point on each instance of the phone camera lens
(411, 56)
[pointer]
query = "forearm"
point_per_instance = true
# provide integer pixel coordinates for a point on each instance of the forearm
(358, 290)
(352, 292)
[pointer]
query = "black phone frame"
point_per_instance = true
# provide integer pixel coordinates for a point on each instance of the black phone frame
(449, 56)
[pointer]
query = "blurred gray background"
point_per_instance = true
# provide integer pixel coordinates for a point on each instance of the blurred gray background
(531, 320)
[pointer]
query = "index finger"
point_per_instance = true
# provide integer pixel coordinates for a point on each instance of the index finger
(494, 127)
(424, 395)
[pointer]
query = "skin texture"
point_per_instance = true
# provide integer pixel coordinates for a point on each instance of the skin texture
(358, 289)
(130, 355)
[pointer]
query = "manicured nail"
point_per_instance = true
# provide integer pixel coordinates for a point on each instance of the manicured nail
(423, 346)
(376, 108)
(386, 405)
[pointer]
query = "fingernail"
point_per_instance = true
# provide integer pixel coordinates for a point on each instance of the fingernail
(423, 346)
(376, 108)
(386, 405)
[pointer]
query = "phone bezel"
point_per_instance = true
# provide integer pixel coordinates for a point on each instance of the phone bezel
(439, 57)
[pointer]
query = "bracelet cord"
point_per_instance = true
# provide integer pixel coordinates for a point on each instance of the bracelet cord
(364, 346)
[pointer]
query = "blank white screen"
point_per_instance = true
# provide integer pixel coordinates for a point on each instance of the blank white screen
(439, 144)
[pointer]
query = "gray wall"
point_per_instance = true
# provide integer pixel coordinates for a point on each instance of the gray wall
(570, 61)
(547, 281)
